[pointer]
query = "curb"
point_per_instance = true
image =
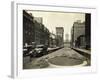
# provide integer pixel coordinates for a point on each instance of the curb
(58, 66)
(83, 52)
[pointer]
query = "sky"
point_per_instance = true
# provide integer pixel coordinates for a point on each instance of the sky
(51, 20)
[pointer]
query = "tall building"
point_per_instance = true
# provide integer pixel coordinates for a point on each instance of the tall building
(78, 30)
(60, 36)
(67, 38)
(34, 31)
(28, 28)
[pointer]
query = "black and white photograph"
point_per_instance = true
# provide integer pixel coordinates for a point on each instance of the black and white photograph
(56, 39)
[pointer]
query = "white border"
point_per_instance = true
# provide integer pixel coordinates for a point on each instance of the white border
(17, 70)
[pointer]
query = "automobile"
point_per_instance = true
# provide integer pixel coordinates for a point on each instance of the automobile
(26, 50)
(40, 50)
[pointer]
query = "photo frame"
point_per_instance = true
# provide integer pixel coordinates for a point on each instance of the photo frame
(17, 41)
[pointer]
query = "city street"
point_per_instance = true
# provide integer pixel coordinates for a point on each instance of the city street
(54, 39)
(73, 58)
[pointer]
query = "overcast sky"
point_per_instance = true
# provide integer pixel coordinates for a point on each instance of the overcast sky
(51, 20)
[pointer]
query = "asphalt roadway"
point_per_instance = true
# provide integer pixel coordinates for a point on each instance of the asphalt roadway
(44, 61)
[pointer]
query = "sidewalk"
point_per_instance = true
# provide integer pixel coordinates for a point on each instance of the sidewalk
(53, 49)
(86, 53)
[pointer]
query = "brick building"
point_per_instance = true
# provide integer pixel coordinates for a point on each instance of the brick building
(34, 31)
(28, 28)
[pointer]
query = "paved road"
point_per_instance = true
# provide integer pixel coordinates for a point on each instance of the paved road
(64, 51)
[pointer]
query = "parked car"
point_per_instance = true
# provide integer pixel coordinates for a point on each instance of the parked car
(26, 50)
(40, 50)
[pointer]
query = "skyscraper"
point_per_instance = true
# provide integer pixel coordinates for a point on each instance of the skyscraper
(60, 36)
(78, 30)
(67, 38)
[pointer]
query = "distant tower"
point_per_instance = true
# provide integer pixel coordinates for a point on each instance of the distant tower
(60, 36)
(67, 37)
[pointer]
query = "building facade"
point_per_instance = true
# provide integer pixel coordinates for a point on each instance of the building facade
(28, 28)
(81, 43)
(41, 34)
(67, 38)
(52, 40)
(34, 31)
(77, 30)
(60, 36)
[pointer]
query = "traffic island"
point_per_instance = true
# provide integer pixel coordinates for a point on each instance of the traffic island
(65, 61)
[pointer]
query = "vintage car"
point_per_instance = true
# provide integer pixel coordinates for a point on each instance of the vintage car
(26, 50)
(40, 50)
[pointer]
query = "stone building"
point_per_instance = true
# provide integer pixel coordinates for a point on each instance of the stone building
(52, 40)
(60, 36)
(77, 31)
(41, 34)
(28, 28)
(38, 19)
(34, 31)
